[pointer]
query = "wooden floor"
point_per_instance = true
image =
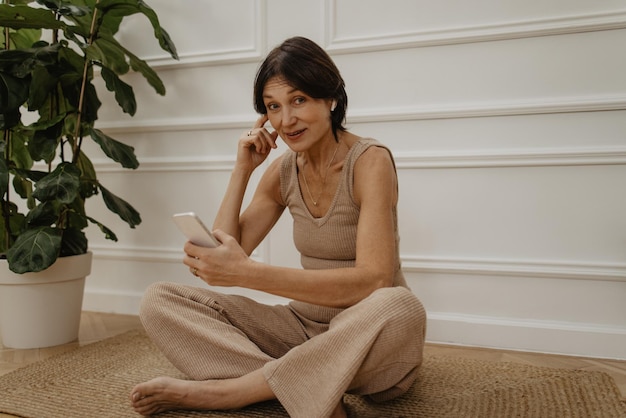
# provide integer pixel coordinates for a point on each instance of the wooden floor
(98, 326)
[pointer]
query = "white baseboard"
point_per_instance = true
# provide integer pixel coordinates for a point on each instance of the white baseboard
(577, 339)
(111, 301)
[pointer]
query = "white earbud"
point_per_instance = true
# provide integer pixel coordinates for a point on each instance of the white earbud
(333, 106)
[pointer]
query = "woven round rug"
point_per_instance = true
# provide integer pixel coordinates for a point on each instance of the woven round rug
(95, 381)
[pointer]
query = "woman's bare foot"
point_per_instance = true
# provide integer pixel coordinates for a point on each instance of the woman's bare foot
(165, 393)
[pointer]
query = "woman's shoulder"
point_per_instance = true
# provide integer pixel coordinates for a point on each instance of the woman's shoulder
(369, 147)
(373, 156)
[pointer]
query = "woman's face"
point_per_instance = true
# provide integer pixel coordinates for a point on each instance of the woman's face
(300, 120)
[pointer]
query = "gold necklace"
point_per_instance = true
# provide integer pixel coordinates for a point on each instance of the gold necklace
(323, 180)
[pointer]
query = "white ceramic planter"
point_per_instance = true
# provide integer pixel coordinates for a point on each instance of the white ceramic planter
(43, 309)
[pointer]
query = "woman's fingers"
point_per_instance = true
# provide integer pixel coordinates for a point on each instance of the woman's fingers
(261, 121)
(260, 137)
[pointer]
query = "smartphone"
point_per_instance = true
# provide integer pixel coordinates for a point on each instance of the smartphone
(195, 231)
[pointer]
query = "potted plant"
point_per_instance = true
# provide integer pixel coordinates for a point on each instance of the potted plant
(51, 53)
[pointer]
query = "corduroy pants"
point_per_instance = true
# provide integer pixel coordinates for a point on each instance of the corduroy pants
(310, 355)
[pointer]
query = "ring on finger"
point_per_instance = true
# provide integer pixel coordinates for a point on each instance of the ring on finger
(249, 133)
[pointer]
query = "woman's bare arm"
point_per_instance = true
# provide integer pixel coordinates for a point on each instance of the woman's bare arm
(253, 148)
(376, 193)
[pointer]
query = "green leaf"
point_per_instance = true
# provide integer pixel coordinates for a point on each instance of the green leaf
(33, 175)
(76, 216)
(118, 8)
(149, 74)
(74, 61)
(21, 38)
(9, 59)
(13, 92)
(10, 119)
(117, 151)
(23, 16)
(46, 138)
(91, 104)
(42, 83)
(106, 50)
(53, 109)
(164, 38)
(142, 67)
(74, 242)
(88, 179)
(124, 94)
(25, 38)
(44, 214)
(43, 54)
(121, 207)
(34, 249)
(108, 234)
(4, 177)
(16, 224)
(168, 44)
(45, 123)
(65, 8)
(121, 8)
(19, 152)
(24, 188)
(71, 92)
(21, 1)
(62, 184)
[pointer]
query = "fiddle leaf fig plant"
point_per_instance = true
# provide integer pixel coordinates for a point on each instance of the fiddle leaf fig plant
(51, 51)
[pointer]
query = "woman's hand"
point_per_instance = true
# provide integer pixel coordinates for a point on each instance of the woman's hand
(256, 144)
(220, 266)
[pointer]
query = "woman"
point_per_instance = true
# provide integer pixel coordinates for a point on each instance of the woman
(353, 325)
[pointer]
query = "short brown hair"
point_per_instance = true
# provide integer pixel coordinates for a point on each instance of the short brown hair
(307, 67)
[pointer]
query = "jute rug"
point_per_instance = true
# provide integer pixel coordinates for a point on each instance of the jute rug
(95, 380)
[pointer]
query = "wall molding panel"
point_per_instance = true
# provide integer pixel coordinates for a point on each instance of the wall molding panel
(468, 34)
(208, 58)
(530, 157)
(251, 53)
(516, 268)
(414, 264)
(144, 254)
(491, 109)
(179, 124)
(372, 115)
(518, 158)
(137, 253)
(170, 164)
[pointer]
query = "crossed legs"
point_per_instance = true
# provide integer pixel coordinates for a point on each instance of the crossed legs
(165, 393)
(191, 325)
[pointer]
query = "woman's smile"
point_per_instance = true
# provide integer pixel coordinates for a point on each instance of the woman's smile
(295, 134)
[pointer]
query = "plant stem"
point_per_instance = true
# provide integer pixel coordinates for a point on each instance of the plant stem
(78, 136)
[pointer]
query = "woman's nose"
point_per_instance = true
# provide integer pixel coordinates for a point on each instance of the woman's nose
(288, 116)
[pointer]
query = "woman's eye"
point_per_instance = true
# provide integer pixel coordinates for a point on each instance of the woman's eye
(272, 106)
(299, 100)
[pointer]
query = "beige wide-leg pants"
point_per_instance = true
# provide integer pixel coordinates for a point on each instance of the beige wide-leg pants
(310, 355)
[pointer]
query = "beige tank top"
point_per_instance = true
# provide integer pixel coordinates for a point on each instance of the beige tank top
(330, 241)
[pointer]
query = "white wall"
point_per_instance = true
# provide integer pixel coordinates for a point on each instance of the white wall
(508, 123)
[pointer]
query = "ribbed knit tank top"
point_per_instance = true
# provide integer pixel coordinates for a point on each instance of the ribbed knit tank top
(330, 241)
